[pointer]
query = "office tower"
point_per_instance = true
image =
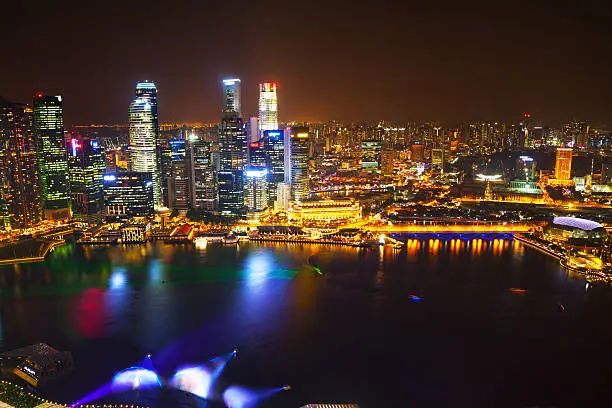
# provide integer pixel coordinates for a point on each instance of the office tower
(178, 187)
(563, 164)
(203, 176)
(86, 167)
(437, 157)
(128, 195)
(52, 160)
(299, 152)
(256, 189)
(257, 154)
(417, 153)
(370, 154)
(20, 189)
(254, 133)
(283, 197)
(387, 161)
(232, 152)
(525, 168)
(231, 98)
(268, 107)
(274, 146)
(144, 135)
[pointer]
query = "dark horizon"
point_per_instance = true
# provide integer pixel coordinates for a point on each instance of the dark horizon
(343, 61)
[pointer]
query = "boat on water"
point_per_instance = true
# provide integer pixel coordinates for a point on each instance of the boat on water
(561, 307)
(230, 239)
(518, 290)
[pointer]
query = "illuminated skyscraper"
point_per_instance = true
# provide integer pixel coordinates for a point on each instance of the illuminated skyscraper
(127, 195)
(86, 165)
(370, 155)
(232, 151)
(231, 98)
(274, 145)
(144, 135)
(19, 174)
(525, 168)
(563, 164)
(299, 154)
(52, 160)
(178, 184)
(256, 189)
(203, 176)
(268, 107)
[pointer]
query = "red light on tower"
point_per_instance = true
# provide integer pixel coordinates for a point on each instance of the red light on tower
(527, 115)
(40, 95)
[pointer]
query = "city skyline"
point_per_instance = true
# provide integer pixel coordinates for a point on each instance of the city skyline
(455, 62)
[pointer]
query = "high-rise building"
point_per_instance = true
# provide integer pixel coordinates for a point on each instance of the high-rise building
(86, 167)
(525, 168)
(20, 191)
(268, 107)
(563, 164)
(128, 195)
(283, 197)
(438, 158)
(254, 133)
(203, 176)
(274, 146)
(232, 152)
(370, 154)
(178, 186)
(52, 159)
(231, 98)
(417, 153)
(387, 161)
(256, 189)
(144, 136)
(299, 154)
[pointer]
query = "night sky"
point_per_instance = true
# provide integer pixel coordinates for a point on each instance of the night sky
(343, 60)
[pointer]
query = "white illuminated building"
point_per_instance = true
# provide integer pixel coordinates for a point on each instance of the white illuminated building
(268, 107)
(256, 189)
(144, 130)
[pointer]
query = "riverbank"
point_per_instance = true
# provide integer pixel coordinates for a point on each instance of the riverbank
(26, 251)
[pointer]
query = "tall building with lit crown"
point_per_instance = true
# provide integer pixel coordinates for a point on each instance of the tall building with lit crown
(274, 146)
(298, 153)
(20, 191)
(563, 164)
(86, 167)
(203, 176)
(268, 107)
(144, 136)
(232, 152)
(231, 98)
(52, 159)
(178, 187)
(256, 188)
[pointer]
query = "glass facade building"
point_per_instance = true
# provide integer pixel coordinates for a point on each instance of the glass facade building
(86, 165)
(144, 135)
(299, 154)
(231, 98)
(563, 164)
(52, 158)
(128, 195)
(274, 145)
(20, 192)
(268, 107)
(178, 186)
(256, 189)
(203, 176)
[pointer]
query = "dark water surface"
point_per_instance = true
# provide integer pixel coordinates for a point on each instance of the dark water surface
(353, 335)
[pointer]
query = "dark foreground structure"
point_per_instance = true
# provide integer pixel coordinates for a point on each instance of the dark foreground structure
(35, 364)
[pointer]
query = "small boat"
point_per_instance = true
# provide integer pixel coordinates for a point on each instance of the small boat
(561, 307)
(230, 239)
(518, 290)
(414, 298)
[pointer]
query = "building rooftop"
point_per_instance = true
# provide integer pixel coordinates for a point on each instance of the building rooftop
(585, 225)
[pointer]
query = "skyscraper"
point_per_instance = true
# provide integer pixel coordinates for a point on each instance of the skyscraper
(274, 146)
(256, 186)
(299, 152)
(232, 151)
(127, 195)
(203, 176)
(52, 159)
(86, 167)
(19, 173)
(144, 135)
(563, 164)
(268, 107)
(178, 184)
(231, 98)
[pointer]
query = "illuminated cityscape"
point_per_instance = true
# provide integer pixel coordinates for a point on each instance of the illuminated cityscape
(430, 209)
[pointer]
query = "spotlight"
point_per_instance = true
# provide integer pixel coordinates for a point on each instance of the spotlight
(235, 353)
(149, 356)
(287, 387)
